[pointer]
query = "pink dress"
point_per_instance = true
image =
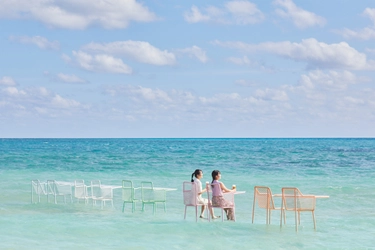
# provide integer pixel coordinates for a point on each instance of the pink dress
(219, 201)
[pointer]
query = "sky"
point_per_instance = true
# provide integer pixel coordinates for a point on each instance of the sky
(187, 69)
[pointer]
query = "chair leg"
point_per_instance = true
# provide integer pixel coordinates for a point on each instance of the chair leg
(196, 213)
(295, 217)
(123, 207)
(282, 213)
(313, 216)
(185, 213)
(252, 218)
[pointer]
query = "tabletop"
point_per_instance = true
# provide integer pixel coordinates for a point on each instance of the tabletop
(316, 196)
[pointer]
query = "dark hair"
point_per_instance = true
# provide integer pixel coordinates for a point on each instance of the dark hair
(214, 174)
(196, 173)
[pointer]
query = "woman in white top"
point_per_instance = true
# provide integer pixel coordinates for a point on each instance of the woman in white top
(198, 174)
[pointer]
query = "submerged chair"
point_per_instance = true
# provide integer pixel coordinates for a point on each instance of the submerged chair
(101, 193)
(150, 195)
(263, 197)
(229, 197)
(128, 194)
(57, 188)
(190, 197)
(294, 200)
(38, 188)
(80, 191)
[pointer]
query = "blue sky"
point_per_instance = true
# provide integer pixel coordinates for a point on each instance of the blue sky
(163, 68)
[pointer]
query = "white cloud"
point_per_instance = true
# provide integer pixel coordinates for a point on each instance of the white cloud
(272, 94)
(69, 78)
(314, 53)
(363, 34)
(78, 14)
(32, 101)
(300, 17)
(99, 63)
(196, 52)
(370, 13)
(354, 100)
(8, 81)
(13, 91)
(367, 33)
(195, 16)
(240, 61)
(244, 12)
(332, 80)
(39, 41)
(238, 12)
(135, 50)
(61, 102)
(245, 83)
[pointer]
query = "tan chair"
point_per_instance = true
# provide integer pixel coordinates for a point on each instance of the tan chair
(190, 194)
(263, 197)
(294, 200)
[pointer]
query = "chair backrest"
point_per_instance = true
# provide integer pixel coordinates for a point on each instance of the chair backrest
(79, 189)
(95, 188)
(293, 199)
(263, 197)
(38, 188)
(51, 187)
(189, 193)
(106, 192)
(62, 188)
(147, 191)
(58, 188)
(127, 190)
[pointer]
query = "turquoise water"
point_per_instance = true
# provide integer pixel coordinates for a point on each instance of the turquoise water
(344, 169)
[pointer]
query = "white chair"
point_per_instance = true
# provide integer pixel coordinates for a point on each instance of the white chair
(38, 188)
(190, 197)
(294, 200)
(101, 193)
(229, 197)
(80, 191)
(149, 195)
(58, 188)
(263, 197)
(128, 195)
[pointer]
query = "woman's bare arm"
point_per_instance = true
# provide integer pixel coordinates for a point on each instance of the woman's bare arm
(224, 188)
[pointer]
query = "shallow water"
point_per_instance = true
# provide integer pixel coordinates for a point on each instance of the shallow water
(340, 168)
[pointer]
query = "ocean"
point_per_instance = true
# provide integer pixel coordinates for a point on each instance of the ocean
(343, 169)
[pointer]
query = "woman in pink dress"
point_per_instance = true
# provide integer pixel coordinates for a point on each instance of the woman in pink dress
(217, 194)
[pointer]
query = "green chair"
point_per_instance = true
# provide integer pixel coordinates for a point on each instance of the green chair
(128, 195)
(151, 195)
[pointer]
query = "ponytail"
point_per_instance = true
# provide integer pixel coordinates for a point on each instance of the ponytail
(214, 174)
(196, 173)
